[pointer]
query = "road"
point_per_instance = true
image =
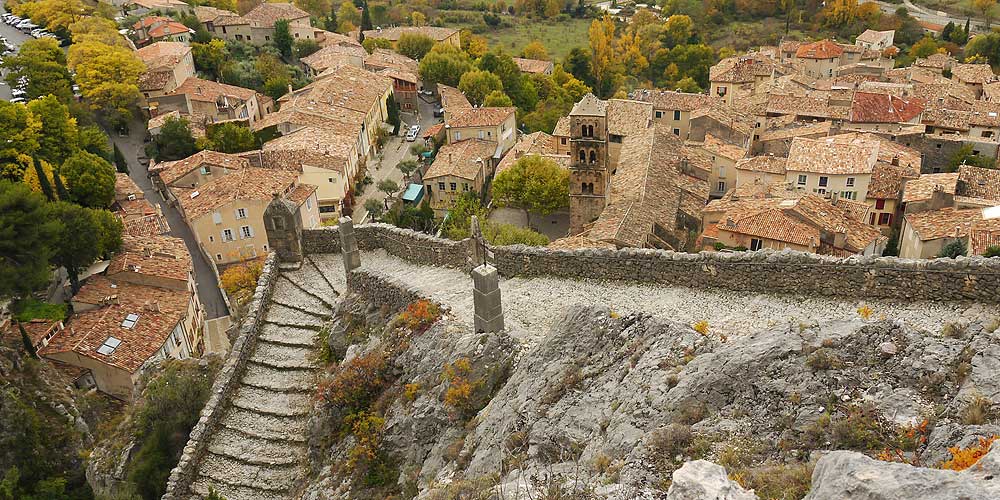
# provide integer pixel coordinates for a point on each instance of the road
(208, 285)
(925, 14)
(396, 150)
(16, 37)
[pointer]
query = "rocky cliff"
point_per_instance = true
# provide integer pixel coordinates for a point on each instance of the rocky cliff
(631, 406)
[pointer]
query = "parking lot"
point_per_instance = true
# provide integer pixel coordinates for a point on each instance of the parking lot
(16, 37)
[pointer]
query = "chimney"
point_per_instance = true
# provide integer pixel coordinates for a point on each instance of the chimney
(895, 160)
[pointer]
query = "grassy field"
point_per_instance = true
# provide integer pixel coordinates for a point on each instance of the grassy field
(559, 37)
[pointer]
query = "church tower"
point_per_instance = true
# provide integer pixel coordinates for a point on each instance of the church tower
(589, 177)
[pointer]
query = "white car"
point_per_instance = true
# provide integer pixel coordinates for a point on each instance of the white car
(412, 134)
(18, 93)
(17, 100)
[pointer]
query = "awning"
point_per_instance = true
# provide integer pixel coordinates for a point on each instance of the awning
(413, 193)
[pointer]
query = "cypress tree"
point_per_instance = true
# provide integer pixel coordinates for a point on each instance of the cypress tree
(43, 181)
(120, 164)
(60, 187)
(28, 345)
(366, 18)
(967, 32)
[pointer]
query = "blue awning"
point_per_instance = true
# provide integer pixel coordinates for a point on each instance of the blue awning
(413, 193)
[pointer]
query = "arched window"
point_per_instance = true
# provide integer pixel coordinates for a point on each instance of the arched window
(583, 156)
(583, 187)
(590, 131)
(583, 130)
(593, 156)
(590, 188)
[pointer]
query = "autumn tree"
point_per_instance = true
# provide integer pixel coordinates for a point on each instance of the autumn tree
(90, 179)
(28, 242)
(840, 13)
(444, 64)
(414, 46)
(108, 77)
(497, 99)
(209, 58)
(55, 15)
(606, 65)
(315, 7)
(417, 18)
(96, 29)
(42, 63)
(477, 84)
(20, 131)
(533, 184)
(985, 7)
(372, 43)
(58, 136)
(535, 50)
(348, 16)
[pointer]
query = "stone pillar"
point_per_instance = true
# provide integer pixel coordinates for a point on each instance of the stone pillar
(349, 246)
(477, 247)
(486, 297)
(284, 229)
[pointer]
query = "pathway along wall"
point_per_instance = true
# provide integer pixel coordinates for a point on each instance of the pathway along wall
(786, 272)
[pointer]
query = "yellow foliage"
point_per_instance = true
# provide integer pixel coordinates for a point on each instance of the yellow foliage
(410, 391)
(701, 327)
(240, 280)
(865, 311)
(963, 458)
(367, 430)
(31, 178)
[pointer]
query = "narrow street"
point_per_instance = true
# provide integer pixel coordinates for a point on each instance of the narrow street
(208, 285)
(16, 37)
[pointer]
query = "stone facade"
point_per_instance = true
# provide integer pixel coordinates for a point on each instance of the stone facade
(226, 383)
(284, 229)
(786, 272)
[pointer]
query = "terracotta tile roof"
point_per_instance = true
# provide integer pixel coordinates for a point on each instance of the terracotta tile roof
(773, 224)
(160, 256)
(694, 195)
(742, 69)
(804, 106)
(162, 54)
(856, 210)
(311, 146)
(300, 193)
(37, 330)
(247, 184)
(985, 114)
(729, 117)
(768, 164)
(797, 129)
(972, 73)
(159, 311)
(589, 105)
(144, 225)
(433, 131)
(167, 29)
(888, 180)
(170, 171)
(983, 235)
(479, 117)
(231, 21)
(562, 127)
(339, 89)
(535, 66)
(976, 182)
(324, 38)
(943, 223)
(823, 49)
(722, 148)
(393, 34)
(266, 13)
(874, 36)
(835, 219)
(991, 91)
(888, 151)
(384, 58)
(667, 100)
(463, 159)
(883, 108)
(333, 55)
(124, 186)
(154, 80)
(922, 188)
(343, 123)
(160, 4)
(537, 143)
(209, 91)
(935, 61)
(625, 117)
(400, 74)
(829, 157)
(150, 21)
(453, 99)
(947, 118)
(206, 14)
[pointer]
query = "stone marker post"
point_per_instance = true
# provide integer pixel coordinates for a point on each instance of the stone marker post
(486, 298)
(349, 246)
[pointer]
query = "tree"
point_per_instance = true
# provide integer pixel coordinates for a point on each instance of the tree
(92, 139)
(392, 110)
(925, 47)
(509, 234)
(283, 38)
(497, 99)
(120, 164)
(43, 180)
(348, 13)
(552, 8)
(476, 85)
(19, 130)
(317, 8)
(578, 64)
(209, 58)
(535, 50)
(82, 239)
(678, 30)
(366, 18)
(175, 140)
(388, 186)
(28, 241)
(58, 136)
(418, 18)
(407, 167)
(231, 138)
(61, 190)
(985, 7)
(29, 346)
(687, 84)
(108, 77)
(992, 251)
(90, 179)
(953, 249)
(42, 63)
(444, 64)
(374, 207)
(96, 29)
(372, 43)
(966, 156)
(414, 46)
(534, 184)
(330, 22)
(515, 84)
(605, 63)
(305, 47)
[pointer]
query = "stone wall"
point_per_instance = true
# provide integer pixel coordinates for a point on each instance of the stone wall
(226, 383)
(972, 278)
(377, 289)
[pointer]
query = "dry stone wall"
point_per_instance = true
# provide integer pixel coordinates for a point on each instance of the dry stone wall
(786, 272)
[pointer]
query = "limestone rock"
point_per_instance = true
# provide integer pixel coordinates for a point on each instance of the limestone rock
(703, 480)
(848, 474)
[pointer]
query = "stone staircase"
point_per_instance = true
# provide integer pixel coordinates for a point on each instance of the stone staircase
(257, 452)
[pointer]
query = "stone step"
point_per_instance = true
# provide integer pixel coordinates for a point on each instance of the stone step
(268, 377)
(275, 479)
(289, 293)
(283, 315)
(288, 335)
(331, 265)
(283, 356)
(230, 492)
(336, 281)
(309, 280)
(255, 451)
(286, 404)
(266, 426)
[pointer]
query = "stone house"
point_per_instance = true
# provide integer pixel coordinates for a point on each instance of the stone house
(459, 167)
(673, 109)
(724, 156)
(160, 29)
(333, 56)
(496, 125)
(534, 66)
(143, 7)
(875, 40)
(830, 168)
(440, 35)
(766, 169)
(213, 102)
(741, 75)
(168, 64)
(924, 234)
(973, 76)
(256, 26)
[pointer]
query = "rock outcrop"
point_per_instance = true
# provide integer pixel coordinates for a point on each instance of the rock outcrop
(703, 480)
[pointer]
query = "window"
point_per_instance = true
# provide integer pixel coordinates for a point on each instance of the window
(593, 156)
(722, 172)
(562, 140)
(458, 136)
(241, 213)
(871, 219)
(218, 256)
(428, 189)
(130, 321)
(267, 38)
(987, 133)
(879, 204)
(245, 232)
(721, 91)
(454, 186)
(330, 179)
(617, 139)
(756, 244)
(802, 180)
(309, 203)
(112, 343)
(884, 219)
(465, 186)
(211, 238)
(824, 181)
(482, 135)
(849, 195)
(677, 131)
(850, 182)
(278, 223)
(659, 114)
(206, 170)
(227, 235)
(217, 218)
(821, 191)
(583, 156)
(441, 186)
(722, 186)
(677, 114)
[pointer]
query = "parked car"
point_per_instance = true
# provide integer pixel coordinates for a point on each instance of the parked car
(426, 92)
(17, 100)
(18, 92)
(439, 113)
(412, 134)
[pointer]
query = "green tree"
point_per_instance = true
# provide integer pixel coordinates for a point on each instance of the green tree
(993, 251)
(509, 234)
(348, 13)
(19, 135)
(81, 241)
(209, 58)
(175, 140)
(43, 180)
(497, 99)
(58, 136)
(372, 43)
(687, 84)
(93, 140)
(120, 164)
(966, 156)
(414, 46)
(61, 190)
(925, 47)
(42, 63)
(444, 64)
(533, 184)
(374, 207)
(953, 249)
(578, 64)
(389, 187)
(28, 241)
(29, 346)
(366, 18)
(393, 112)
(407, 167)
(283, 38)
(231, 138)
(90, 179)
(305, 47)
(476, 85)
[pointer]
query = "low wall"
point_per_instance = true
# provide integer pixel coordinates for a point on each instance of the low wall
(389, 293)
(786, 272)
(227, 381)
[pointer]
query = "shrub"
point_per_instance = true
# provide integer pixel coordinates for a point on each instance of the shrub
(777, 482)
(461, 394)
(963, 458)
(823, 359)
(952, 331)
(865, 311)
(420, 315)
(978, 412)
(357, 383)
(953, 249)
(701, 327)
(993, 251)
(240, 280)
(410, 391)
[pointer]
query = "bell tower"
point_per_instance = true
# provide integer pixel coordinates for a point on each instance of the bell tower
(589, 178)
